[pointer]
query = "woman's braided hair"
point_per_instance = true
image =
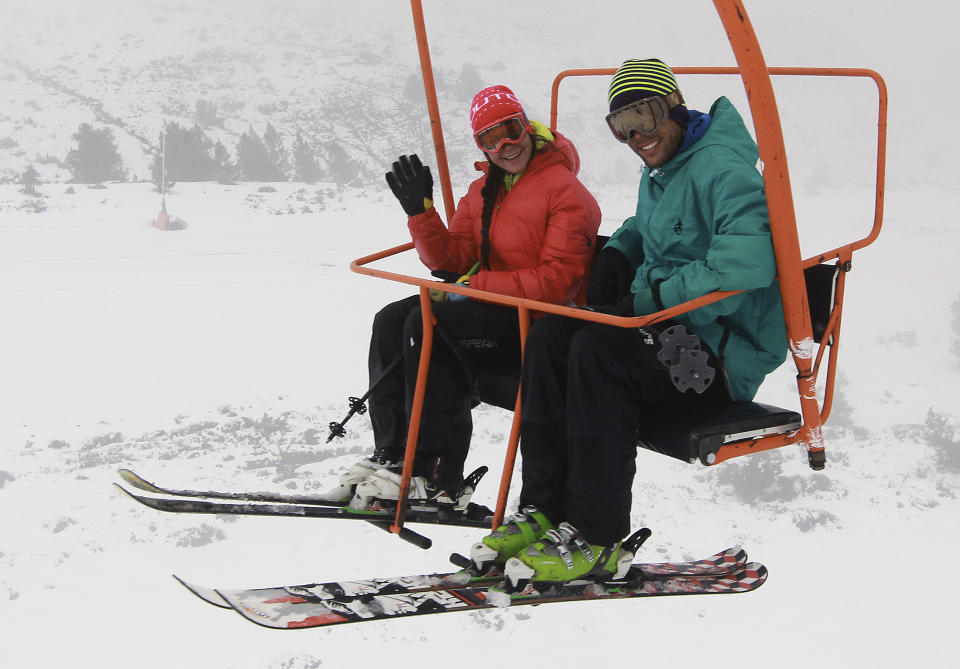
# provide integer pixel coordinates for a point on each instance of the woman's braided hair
(491, 188)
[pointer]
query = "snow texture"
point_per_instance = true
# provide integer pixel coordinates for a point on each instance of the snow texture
(216, 355)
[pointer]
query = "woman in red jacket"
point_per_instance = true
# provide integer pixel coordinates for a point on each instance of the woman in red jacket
(526, 228)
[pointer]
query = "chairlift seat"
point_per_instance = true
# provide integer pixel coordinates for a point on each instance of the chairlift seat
(686, 433)
(697, 432)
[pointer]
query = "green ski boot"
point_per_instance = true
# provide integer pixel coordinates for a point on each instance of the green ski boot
(518, 532)
(561, 556)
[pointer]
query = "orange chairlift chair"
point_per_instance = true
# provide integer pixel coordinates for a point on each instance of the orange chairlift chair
(812, 289)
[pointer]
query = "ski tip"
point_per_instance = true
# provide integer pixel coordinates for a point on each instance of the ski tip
(136, 480)
(208, 595)
(751, 576)
(124, 490)
(146, 500)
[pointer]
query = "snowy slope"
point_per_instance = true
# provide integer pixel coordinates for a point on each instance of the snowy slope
(217, 355)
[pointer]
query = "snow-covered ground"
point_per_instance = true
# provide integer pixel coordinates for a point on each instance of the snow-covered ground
(216, 356)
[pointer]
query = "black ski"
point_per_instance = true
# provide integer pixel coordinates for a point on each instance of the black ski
(475, 515)
(141, 483)
(308, 506)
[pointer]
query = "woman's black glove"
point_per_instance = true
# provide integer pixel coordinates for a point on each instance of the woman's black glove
(610, 277)
(412, 183)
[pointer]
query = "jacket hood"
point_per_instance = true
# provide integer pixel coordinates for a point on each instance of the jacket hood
(726, 128)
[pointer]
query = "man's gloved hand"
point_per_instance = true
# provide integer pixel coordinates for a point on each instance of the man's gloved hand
(610, 277)
(624, 307)
(412, 183)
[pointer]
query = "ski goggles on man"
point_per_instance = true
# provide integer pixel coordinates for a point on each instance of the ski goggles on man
(508, 131)
(643, 116)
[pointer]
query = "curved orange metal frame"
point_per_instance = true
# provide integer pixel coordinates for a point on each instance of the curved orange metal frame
(756, 77)
(842, 254)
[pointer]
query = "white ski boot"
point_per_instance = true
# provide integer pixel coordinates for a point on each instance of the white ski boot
(384, 486)
(357, 472)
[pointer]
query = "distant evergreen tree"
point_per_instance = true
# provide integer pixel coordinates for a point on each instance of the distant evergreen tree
(96, 157)
(955, 321)
(413, 90)
(225, 169)
(469, 83)
(942, 432)
(254, 161)
(275, 150)
(206, 114)
(305, 165)
(342, 168)
(30, 179)
(189, 155)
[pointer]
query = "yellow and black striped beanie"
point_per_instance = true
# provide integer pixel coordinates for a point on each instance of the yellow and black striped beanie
(637, 79)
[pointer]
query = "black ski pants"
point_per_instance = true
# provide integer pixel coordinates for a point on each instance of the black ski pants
(586, 391)
(469, 336)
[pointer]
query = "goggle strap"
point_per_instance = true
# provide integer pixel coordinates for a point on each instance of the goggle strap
(672, 100)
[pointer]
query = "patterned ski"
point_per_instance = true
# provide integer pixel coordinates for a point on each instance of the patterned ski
(314, 605)
(291, 608)
(724, 562)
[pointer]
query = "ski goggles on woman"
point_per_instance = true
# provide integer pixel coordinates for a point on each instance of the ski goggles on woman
(643, 116)
(508, 131)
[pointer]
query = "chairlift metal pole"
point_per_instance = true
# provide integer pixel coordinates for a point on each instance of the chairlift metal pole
(436, 127)
(163, 164)
(426, 343)
(783, 223)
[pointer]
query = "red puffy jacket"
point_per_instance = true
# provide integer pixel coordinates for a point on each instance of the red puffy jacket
(542, 233)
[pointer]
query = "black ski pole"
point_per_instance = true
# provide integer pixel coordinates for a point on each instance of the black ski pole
(357, 404)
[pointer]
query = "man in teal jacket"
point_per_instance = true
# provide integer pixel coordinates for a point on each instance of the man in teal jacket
(701, 225)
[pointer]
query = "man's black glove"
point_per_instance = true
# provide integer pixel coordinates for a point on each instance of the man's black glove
(412, 183)
(610, 277)
(624, 307)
